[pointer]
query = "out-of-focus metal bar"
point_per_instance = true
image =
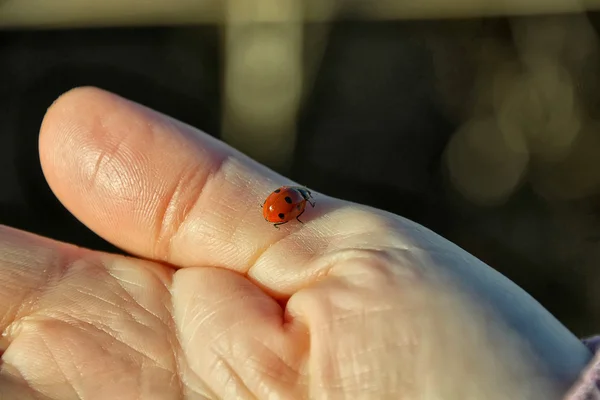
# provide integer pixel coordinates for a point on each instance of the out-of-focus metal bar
(86, 13)
(263, 78)
(434, 9)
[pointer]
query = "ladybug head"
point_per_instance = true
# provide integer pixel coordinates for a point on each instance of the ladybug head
(305, 193)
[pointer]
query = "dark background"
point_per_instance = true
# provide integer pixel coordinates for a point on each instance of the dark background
(387, 99)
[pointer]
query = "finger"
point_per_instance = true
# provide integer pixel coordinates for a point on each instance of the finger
(64, 309)
(236, 339)
(26, 263)
(149, 184)
(163, 190)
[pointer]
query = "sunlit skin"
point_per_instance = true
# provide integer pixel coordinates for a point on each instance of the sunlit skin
(214, 303)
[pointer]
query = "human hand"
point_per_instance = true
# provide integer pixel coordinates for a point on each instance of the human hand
(355, 303)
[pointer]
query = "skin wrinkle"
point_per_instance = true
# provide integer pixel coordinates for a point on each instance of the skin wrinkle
(319, 257)
(260, 253)
(337, 258)
(128, 297)
(333, 262)
(196, 326)
(213, 340)
(75, 323)
(223, 332)
(75, 367)
(292, 372)
(230, 166)
(164, 281)
(109, 331)
(171, 216)
(188, 306)
(206, 317)
(143, 355)
(205, 391)
(89, 292)
(263, 253)
(325, 329)
(116, 151)
(356, 353)
(58, 266)
(66, 378)
(155, 315)
(238, 236)
(110, 174)
(173, 339)
(130, 283)
(209, 231)
(199, 324)
(348, 315)
(234, 377)
(106, 153)
(177, 351)
(234, 223)
(352, 382)
(118, 335)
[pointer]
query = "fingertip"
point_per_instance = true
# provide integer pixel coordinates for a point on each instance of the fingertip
(93, 149)
(68, 116)
(82, 97)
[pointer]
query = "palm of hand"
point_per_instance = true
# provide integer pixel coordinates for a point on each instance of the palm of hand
(346, 306)
(104, 326)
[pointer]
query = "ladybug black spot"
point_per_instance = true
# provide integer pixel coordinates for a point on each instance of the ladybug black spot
(288, 199)
(277, 191)
(281, 215)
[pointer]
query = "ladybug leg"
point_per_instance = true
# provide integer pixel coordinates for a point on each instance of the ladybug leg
(276, 225)
(312, 203)
(298, 217)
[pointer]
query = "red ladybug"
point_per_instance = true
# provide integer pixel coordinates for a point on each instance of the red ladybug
(286, 203)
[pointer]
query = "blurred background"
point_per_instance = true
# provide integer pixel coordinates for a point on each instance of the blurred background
(479, 119)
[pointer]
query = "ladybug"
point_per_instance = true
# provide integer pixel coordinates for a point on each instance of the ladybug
(285, 204)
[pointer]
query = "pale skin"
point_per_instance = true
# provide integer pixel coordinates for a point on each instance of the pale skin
(215, 303)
